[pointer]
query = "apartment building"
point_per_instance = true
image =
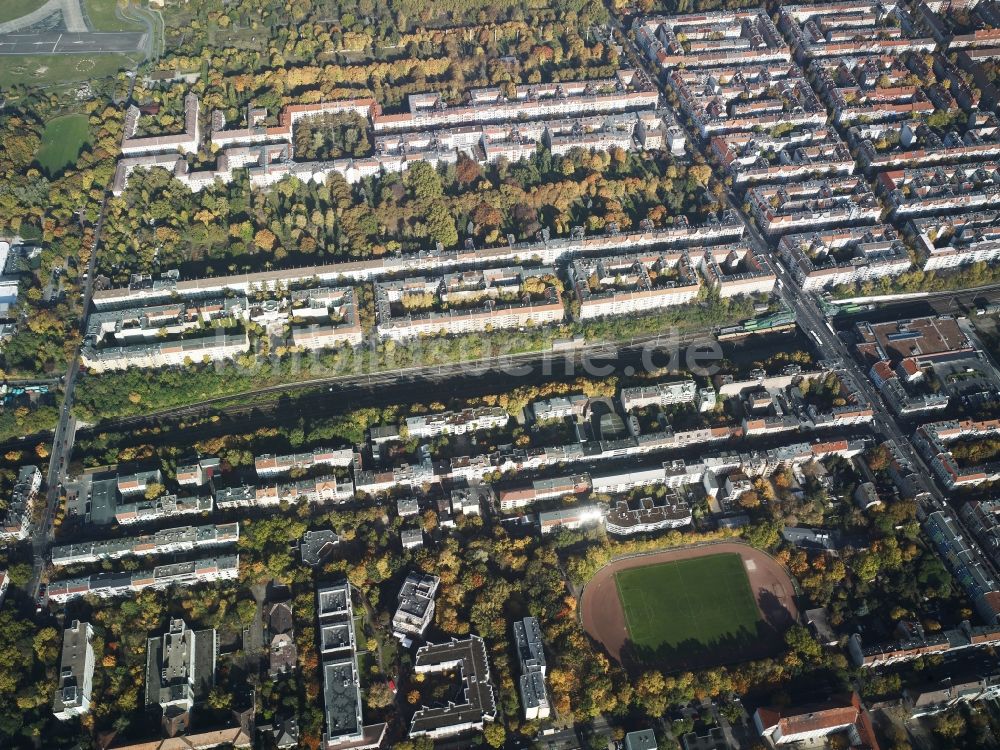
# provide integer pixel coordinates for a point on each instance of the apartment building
(162, 542)
(850, 29)
(912, 641)
(198, 472)
(76, 672)
(873, 88)
(954, 241)
(645, 515)
(627, 284)
(661, 394)
(531, 657)
(415, 608)
(572, 518)
(543, 489)
(18, 520)
(627, 90)
(814, 204)
(341, 683)
(982, 519)
(211, 348)
(920, 191)
(457, 423)
(734, 269)
(186, 142)
(828, 258)
(144, 290)
(932, 440)
(704, 40)
(912, 143)
(328, 488)
(467, 302)
(180, 667)
(800, 724)
(809, 152)
(745, 98)
(966, 562)
(468, 658)
(223, 567)
(270, 465)
(256, 130)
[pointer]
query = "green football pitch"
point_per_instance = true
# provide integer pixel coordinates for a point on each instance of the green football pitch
(704, 603)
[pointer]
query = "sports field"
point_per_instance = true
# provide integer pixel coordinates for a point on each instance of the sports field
(698, 604)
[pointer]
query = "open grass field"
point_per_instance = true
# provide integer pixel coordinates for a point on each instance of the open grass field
(61, 142)
(49, 70)
(101, 14)
(11, 9)
(696, 604)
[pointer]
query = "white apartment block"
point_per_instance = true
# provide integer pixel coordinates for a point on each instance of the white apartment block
(210, 348)
(531, 656)
(163, 576)
(76, 672)
(270, 465)
(162, 542)
(457, 423)
(415, 608)
(661, 394)
(952, 242)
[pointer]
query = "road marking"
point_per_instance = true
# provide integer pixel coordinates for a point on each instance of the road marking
(56, 44)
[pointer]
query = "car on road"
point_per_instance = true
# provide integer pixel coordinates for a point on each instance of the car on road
(42, 598)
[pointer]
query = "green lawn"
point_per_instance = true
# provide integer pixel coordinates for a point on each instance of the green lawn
(101, 14)
(48, 70)
(678, 609)
(11, 9)
(61, 142)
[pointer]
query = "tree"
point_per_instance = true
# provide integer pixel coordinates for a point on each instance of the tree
(495, 734)
(379, 695)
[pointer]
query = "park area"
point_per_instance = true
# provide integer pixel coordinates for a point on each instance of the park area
(690, 608)
(62, 141)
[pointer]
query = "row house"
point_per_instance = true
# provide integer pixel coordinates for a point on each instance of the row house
(628, 90)
(18, 516)
(754, 97)
(850, 29)
(966, 562)
(325, 489)
(882, 146)
(982, 519)
(932, 440)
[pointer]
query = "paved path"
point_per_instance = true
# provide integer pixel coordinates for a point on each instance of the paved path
(71, 12)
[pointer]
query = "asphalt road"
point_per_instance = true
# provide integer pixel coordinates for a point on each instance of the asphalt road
(56, 43)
